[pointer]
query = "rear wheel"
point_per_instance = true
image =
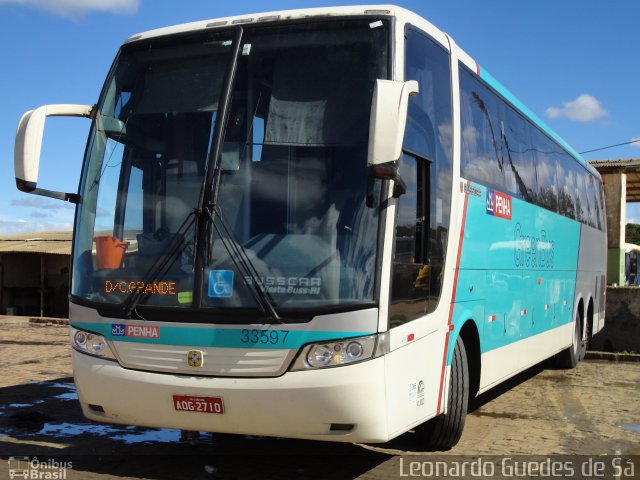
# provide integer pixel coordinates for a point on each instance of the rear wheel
(588, 332)
(444, 431)
(570, 357)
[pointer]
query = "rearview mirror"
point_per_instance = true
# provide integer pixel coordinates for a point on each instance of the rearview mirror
(388, 119)
(28, 144)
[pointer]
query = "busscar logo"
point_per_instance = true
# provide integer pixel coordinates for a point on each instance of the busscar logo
(498, 204)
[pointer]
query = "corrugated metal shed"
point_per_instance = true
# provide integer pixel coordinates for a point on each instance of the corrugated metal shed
(55, 243)
(630, 167)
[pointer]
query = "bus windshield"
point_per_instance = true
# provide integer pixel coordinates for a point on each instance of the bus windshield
(291, 217)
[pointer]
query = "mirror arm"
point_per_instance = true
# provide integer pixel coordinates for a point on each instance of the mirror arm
(399, 186)
(30, 187)
(390, 171)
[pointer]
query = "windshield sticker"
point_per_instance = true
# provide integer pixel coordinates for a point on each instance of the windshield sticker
(288, 285)
(185, 297)
(220, 283)
(498, 204)
(151, 288)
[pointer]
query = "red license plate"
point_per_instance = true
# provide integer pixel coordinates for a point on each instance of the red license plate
(188, 403)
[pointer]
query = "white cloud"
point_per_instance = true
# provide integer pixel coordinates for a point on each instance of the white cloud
(76, 8)
(585, 108)
(41, 203)
(13, 227)
(637, 142)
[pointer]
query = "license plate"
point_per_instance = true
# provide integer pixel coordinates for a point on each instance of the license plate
(188, 403)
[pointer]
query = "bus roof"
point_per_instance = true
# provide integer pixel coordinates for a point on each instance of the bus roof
(264, 17)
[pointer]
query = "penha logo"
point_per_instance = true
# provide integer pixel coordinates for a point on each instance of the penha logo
(498, 204)
(117, 329)
(141, 331)
(138, 331)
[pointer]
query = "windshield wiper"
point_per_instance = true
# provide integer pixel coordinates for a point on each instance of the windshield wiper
(239, 256)
(162, 264)
(209, 192)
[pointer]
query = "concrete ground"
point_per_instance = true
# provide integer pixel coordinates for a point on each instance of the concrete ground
(578, 419)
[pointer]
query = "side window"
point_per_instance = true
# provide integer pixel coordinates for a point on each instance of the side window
(566, 196)
(108, 212)
(423, 212)
(410, 287)
(603, 216)
(596, 191)
(481, 158)
(519, 168)
(582, 202)
(133, 210)
(546, 171)
(591, 200)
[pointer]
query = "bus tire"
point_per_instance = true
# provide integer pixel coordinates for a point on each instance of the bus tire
(570, 357)
(584, 344)
(444, 431)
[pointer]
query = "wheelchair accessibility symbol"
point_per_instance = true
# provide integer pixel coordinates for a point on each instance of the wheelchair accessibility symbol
(220, 283)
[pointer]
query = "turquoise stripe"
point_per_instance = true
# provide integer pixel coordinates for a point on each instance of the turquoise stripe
(497, 86)
(222, 337)
(516, 274)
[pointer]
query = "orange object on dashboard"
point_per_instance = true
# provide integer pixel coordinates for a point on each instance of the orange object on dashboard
(109, 251)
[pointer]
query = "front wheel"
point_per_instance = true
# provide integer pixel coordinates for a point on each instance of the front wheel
(444, 431)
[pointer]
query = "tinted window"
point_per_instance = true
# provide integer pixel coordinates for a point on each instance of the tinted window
(546, 158)
(423, 212)
(591, 194)
(503, 149)
(520, 170)
(481, 159)
(567, 184)
(582, 202)
(596, 191)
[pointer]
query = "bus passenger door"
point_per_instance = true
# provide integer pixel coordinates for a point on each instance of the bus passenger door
(411, 270)
(414, 365)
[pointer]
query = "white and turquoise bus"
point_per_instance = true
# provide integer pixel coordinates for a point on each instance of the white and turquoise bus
(327, 224)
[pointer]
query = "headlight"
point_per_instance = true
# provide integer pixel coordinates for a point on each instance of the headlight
(341, 352)
(90, 343)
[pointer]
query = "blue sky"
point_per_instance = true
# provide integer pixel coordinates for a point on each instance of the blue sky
(572, 62)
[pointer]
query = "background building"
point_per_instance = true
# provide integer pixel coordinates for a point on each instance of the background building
(34, 274)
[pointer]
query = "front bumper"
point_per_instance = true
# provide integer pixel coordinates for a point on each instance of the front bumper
(304, 404)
